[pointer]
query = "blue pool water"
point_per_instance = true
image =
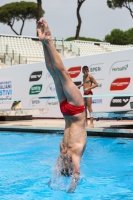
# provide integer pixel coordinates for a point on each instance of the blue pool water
(27, 163)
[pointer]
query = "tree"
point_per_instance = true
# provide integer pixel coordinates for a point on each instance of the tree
(120, 4)
(84, 39)
(116, 36)
(39, 9)
(120, 37)
(129, 35)
(16, 11)
(79, 4)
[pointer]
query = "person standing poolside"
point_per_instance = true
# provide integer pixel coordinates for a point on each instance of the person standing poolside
(88, 84)
(72, 107)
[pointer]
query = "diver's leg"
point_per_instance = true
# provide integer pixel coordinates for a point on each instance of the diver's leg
(71, 91)
(58, 85)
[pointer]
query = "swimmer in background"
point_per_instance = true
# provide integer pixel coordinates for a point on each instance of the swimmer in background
(88, 84)
(72, 107)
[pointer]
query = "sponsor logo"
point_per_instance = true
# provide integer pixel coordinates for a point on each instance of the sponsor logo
(115, 69)
(53, 103)
(97, 101)
(77, 83)
(51, 88)
(5, 98)
(119, 66)
(99, 85)
(35, 76)
(35, 89)
(119, 101)
(120, 84)
(95, 69)
(5, 90)
(74, 71)
(35, 102)
(39, 105)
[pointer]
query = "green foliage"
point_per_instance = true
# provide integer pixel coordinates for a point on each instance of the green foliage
(115, 3)
(120, 37)
(120, 4)
(18, 11)
(129, 36)
(84, 38)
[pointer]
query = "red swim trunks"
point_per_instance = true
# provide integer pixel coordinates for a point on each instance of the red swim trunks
(70, 110)
(88, 92)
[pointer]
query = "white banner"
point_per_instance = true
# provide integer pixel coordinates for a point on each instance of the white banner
(27, 83)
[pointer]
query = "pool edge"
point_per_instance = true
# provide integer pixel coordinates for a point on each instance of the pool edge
(101, 132)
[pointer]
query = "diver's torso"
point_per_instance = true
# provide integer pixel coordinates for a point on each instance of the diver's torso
(75, 133)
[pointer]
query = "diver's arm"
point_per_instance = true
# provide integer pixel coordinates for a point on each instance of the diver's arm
(74, 183)
(58, 165)
(76, 173)
(95, 84)
(59, 160)
(79, 86)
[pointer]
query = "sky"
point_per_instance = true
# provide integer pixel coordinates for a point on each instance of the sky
(97, 19)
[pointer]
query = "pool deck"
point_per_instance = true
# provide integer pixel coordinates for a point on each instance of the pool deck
(105, 128)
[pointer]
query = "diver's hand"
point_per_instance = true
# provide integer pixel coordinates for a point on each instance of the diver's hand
(72, 187)
(44, 33)
(74, 183)
(87, 89)
(70, 190)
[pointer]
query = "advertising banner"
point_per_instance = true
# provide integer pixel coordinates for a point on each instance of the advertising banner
(6, 93)
(30, 83)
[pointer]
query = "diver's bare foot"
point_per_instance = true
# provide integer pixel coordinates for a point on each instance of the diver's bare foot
(44, 33)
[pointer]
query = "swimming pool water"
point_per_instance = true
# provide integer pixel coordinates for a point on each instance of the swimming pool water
(27, 163)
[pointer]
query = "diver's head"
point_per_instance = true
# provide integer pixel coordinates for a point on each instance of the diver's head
(67, 168)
